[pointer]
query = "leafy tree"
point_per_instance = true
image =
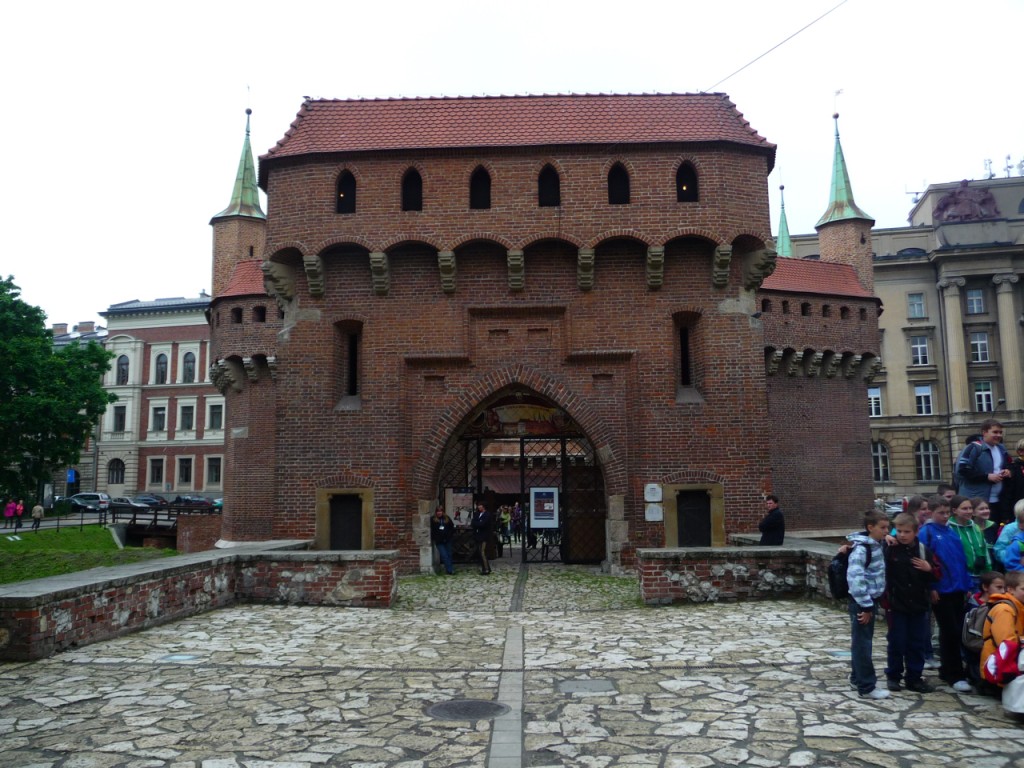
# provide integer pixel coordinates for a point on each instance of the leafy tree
(49, 399)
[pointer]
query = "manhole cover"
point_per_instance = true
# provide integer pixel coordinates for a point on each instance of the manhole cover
(466, 709)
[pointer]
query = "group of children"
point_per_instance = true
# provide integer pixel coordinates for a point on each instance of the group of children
(928, 567)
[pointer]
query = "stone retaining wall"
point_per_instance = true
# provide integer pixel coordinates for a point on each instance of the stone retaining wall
(711, 574)
(44, 616)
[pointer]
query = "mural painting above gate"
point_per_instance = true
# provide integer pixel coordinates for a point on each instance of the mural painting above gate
(521, 415)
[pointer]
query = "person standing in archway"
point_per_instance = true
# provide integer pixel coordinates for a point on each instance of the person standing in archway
(481, 523)
(442, 531)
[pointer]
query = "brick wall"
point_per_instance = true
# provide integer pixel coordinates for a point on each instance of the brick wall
(198, 532)
(45, 616)
(706, 575)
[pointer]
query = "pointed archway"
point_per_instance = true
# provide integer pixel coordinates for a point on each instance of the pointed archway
(521, 452)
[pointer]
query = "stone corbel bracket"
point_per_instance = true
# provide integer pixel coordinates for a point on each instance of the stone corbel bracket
(229, 376)
(272, 365)
(813, 363)
(380, 273)
(655, 267)
(585, 269)
(278, 281)
(772, 361)
(446, 266)
(872, 369)
(250, 369)
(831, 365)
(851, 363)
(516, 271)
(720, 263)
(792, 364)
(759, 264)
(314, 267)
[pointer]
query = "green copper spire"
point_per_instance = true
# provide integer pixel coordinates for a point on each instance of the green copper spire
(783, 245)
(245, 198)
(841, 206)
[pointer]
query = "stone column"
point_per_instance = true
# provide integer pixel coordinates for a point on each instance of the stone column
(1013, 387)
(956, 363)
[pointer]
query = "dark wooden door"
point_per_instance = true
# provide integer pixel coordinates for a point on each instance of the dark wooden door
(346, 522)
(693, 518)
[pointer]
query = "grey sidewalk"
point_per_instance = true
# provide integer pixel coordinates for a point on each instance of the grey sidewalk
(589, 677)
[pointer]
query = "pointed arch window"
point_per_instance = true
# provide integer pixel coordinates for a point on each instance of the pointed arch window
(346, 202)
(687, 187)
(122, 369)
(618, 185)
(188, 368)
(412, 191)
(549, 188)
(480, 189)
(161, 369)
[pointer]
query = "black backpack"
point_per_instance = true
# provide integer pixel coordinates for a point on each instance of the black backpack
(837, 569)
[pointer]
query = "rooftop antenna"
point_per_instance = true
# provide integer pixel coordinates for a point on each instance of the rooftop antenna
(1009, 166)
(1020, 168)
(988, 169)
(916, 193)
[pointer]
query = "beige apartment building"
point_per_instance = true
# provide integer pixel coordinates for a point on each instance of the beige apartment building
(951, 326)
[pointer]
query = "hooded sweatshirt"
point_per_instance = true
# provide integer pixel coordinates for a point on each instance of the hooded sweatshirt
(944, 542)
(1007, 621)
(1012, 555)
(867, 584)
(975, 549)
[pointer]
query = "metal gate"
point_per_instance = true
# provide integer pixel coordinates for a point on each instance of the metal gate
(559, 470)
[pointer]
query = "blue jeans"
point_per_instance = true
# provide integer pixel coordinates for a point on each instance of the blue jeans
(444, 551)
(908, 640)
(862, 669)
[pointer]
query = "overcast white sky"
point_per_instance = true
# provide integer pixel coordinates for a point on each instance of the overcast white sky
(122, 122)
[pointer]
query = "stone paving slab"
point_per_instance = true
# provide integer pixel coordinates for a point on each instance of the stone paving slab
(752, 684)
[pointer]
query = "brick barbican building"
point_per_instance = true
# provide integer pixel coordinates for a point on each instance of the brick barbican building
(567, 300)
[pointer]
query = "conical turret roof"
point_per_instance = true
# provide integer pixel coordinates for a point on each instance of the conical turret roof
(841, 206)
(245, 198)
(783, 245)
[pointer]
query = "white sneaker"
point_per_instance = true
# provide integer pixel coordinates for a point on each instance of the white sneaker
(962, 686)
(931, 664)
(877, 693)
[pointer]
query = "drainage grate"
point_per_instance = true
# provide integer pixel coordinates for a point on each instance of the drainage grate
(466, 709)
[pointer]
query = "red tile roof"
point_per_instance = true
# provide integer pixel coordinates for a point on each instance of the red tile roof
(246, 280)
(806, 276)
(325, 126)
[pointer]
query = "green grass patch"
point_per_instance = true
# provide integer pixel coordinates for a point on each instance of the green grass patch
(51, 552)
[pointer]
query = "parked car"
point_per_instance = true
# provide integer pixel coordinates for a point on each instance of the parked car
(192, 501)
(218, 504)
(151, 499)
(90, 502)
(127, 504)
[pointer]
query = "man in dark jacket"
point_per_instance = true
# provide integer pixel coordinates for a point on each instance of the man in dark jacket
(773, 524)
(481, 523)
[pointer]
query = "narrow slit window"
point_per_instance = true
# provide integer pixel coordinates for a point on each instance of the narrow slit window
(549, 188)
(687, 190)
(412, 191)
(618, 185)
(480, 189)
(346, 202)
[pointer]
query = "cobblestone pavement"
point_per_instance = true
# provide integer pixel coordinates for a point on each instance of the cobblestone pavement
(588, 677)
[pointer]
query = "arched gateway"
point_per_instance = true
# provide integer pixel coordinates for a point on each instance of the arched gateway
(521, 448)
